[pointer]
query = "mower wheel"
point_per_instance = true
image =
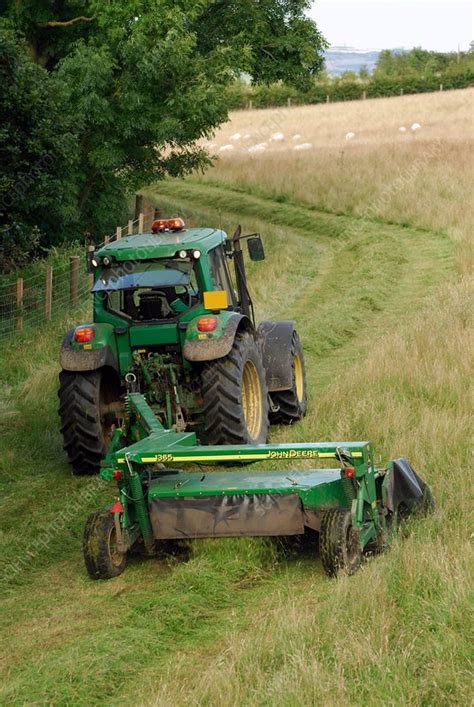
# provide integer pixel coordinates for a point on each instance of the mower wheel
(235, 395)
(88, 406)
(339, 546)
(292, 403)
(99, 545)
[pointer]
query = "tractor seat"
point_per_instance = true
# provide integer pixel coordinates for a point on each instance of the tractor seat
(153, 305)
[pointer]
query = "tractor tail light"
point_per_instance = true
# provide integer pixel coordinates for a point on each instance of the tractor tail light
(207, 323)
(349, 472)
(117, 474)
(84, 334)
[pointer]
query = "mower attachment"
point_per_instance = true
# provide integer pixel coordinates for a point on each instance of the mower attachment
(353, 505)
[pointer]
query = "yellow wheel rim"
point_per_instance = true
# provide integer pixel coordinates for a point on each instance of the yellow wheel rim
(252, 404)
(299, 379)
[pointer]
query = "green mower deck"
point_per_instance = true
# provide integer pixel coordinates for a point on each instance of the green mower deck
(352, 506)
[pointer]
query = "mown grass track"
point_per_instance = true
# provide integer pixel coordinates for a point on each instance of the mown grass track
(345, 281)
(243, 622)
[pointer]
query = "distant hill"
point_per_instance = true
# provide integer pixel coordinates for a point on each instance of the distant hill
(341, 59)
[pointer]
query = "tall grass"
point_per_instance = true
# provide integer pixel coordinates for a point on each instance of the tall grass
(423, 178)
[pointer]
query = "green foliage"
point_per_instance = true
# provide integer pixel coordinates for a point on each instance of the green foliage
(131, 87)
(417, 71)
(36, 156)
(417, 62)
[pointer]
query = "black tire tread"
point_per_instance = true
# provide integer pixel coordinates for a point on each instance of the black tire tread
(95, 546)
(81, 427)
(224, 421)
(290, 408)
(332, 539)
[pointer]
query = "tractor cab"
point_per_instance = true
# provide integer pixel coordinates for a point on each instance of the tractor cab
(148, 291)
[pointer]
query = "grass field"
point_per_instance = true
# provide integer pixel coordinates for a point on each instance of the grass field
(383, 301)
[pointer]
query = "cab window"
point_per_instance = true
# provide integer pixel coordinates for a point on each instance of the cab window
(149, 291)
(220, 273)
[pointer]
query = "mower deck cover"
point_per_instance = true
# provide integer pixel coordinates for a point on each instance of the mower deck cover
(223, 504)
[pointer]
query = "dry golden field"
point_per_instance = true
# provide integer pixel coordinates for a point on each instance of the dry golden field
(423, 177)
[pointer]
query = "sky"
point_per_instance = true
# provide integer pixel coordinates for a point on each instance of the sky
(384, 24)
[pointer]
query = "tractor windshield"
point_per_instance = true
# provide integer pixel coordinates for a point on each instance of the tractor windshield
(125, 276)
(148, 291)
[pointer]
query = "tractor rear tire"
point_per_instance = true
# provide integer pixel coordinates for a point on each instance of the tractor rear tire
(99, 545)
(235, 396)
(339, 546)
(292, 403)
(85, 426)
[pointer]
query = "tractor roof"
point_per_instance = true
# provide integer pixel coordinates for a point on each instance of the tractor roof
(146, 246)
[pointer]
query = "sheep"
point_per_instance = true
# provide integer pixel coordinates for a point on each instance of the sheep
(235, 136)
(303, 146)
(256, 148)
(277, 137)
(415, 126)
(402, 129)
(226, 148)
(350, 136)
(296, 137)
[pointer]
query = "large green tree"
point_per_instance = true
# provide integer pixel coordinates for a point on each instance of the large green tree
(37, 156)
(142, 81)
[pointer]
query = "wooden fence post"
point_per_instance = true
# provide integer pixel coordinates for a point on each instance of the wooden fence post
(250, 105)
(441, 87)
(401, 92)
(138, 205)
(130, 227)
(364, 95)
(48, 300)
(19, 303)
(141, 222)
(288, 102)
(106, 240)
(90, 249)
(118, 233)
(328, 98)
(73, 278)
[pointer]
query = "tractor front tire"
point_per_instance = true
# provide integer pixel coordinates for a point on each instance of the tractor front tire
(339, 546)
(291, 404)
(235, 396)
(87, 424)
(99, 545)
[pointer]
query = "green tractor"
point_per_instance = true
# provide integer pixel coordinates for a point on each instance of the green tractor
(172, 323)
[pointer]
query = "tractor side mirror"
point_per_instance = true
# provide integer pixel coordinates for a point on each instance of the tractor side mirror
(256, 250)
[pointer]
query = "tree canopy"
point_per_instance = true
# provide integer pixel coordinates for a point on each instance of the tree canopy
(131, 87)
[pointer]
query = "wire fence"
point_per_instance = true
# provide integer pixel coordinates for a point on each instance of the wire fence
(31, 301)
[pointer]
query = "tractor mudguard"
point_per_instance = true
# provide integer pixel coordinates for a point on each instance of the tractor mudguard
(75, 358)
(200, 346)
(275, 338)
